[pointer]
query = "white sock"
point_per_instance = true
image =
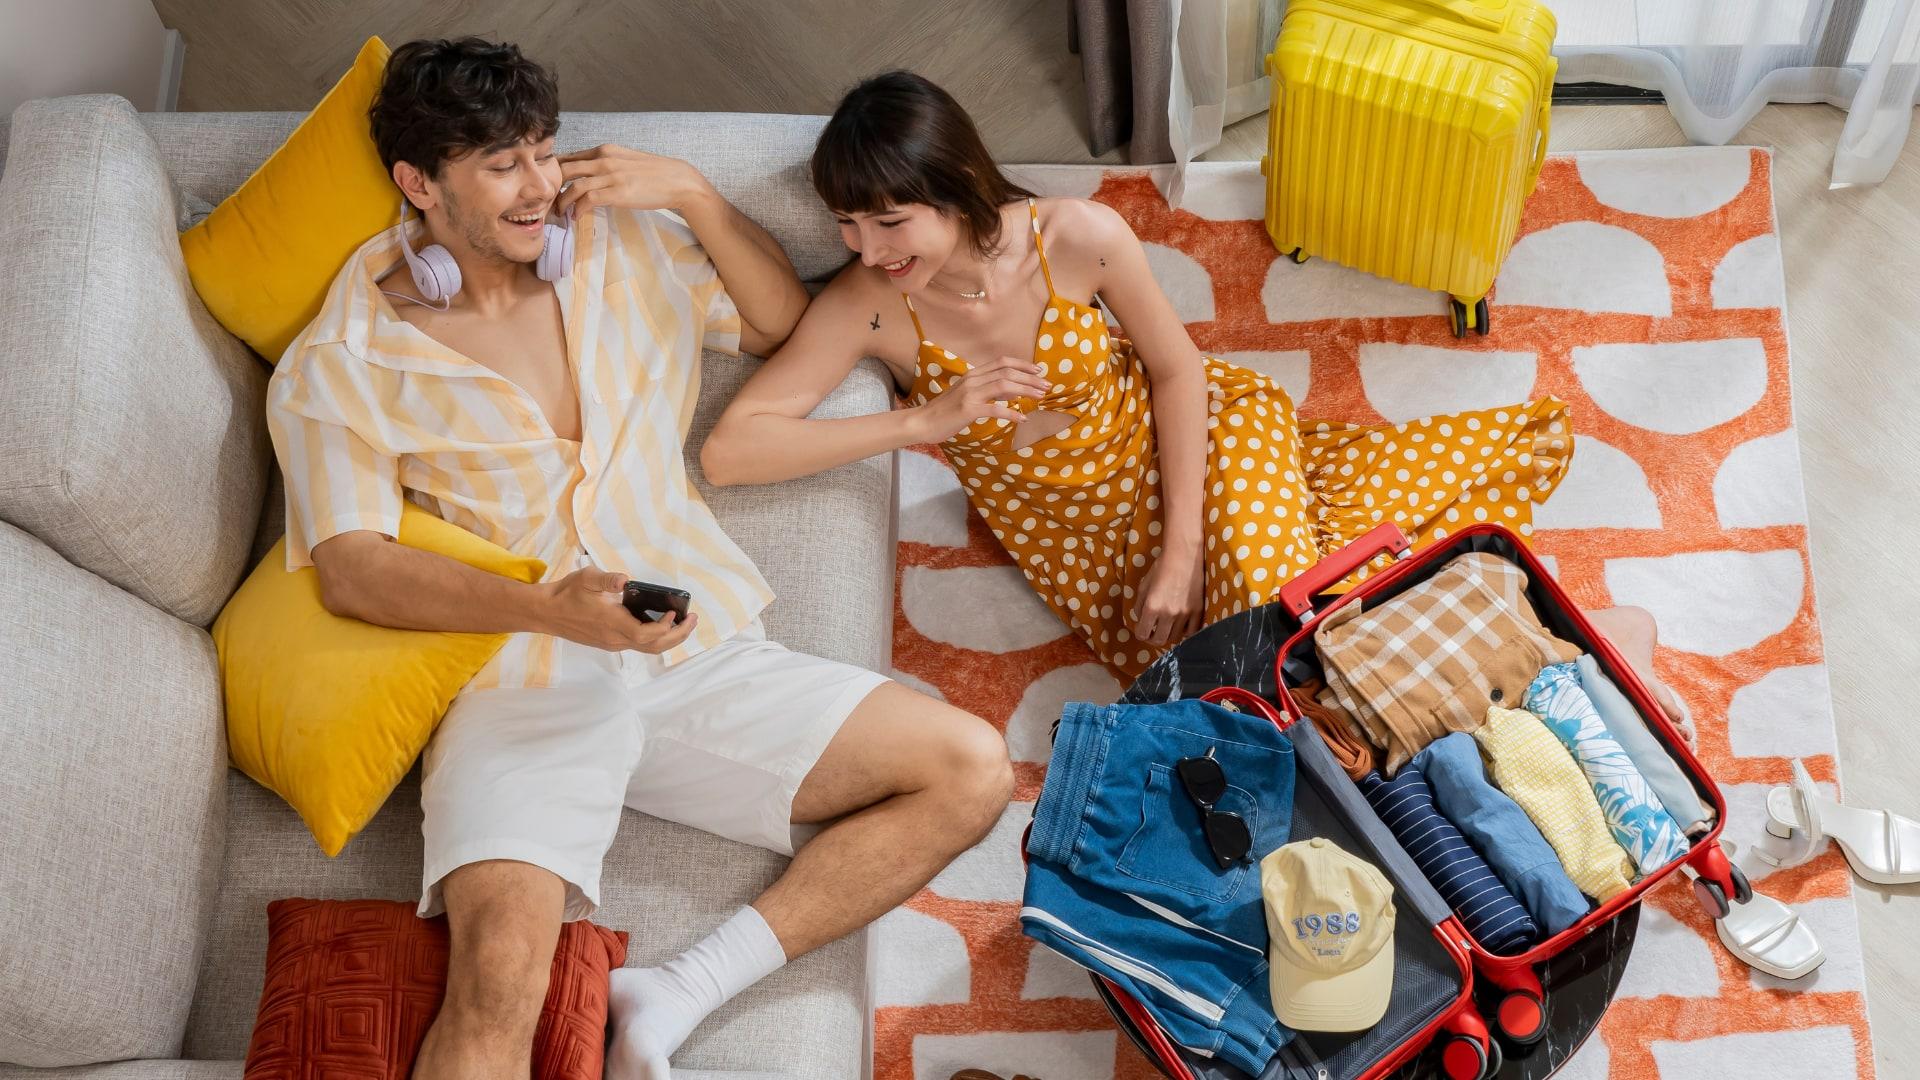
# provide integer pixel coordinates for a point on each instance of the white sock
(653, 1010)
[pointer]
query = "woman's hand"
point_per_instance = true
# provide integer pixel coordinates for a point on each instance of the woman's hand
(984, 392)
(1171, 604)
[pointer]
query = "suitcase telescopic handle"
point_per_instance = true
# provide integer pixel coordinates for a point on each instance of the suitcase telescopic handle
(1297, 595)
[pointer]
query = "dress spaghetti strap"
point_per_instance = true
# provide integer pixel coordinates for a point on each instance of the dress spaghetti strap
(1039, 248)
(915, 315)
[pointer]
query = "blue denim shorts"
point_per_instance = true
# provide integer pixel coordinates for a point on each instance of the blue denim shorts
(1121, 881)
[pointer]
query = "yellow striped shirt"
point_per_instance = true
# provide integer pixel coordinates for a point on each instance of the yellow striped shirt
(365, 409)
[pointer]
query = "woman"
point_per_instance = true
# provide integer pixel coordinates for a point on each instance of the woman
(1144, 490)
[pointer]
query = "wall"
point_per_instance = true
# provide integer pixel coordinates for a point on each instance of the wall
(50, 47)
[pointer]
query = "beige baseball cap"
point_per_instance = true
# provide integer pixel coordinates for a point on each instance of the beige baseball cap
(1330, 917)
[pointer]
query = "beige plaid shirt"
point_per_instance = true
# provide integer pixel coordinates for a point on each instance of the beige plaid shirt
(1430, 660)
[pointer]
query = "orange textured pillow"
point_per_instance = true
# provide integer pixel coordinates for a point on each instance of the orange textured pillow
(353, 985)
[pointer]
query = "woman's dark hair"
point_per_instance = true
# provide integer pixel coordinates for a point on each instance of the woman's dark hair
(443, 99)
(896, 139)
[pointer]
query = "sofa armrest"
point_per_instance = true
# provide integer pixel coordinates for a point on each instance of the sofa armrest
(824, 542)
(112, 816)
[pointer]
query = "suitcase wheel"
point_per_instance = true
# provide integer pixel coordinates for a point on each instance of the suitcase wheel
(1298, 255)
(1462, 317)
(1713, 899)
(1467, 1058)
(1522, 1017)
(1742, 888)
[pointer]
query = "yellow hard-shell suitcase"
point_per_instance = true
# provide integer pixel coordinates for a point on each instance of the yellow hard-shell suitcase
(1405, 136)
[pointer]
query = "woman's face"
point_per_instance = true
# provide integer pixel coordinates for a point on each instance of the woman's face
(909, 243)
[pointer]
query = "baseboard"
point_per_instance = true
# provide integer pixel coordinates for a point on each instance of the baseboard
(1593, 93)
(172, 61)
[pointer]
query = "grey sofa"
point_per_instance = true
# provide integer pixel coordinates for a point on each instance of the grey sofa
(136, 490)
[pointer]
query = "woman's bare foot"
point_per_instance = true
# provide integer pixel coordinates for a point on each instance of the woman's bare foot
(1632, 631)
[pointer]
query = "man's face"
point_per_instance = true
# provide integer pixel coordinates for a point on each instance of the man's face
(496, 200)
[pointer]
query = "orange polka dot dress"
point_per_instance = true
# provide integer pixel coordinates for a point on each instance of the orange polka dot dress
(1080, 511)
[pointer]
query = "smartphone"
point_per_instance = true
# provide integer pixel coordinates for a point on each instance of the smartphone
(649, 602)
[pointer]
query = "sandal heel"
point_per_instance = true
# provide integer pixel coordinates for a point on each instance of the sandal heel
(1780, 829)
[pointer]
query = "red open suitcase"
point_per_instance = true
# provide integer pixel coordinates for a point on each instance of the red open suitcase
(1520, 1014)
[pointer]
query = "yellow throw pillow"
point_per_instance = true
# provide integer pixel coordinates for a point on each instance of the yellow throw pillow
(262, 261)
(328, 712)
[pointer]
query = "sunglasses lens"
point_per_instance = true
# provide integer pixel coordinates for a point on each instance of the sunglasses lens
(1228, 836)
(1203, 778)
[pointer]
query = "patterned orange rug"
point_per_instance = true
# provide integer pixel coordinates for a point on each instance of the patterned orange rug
(1645, 290)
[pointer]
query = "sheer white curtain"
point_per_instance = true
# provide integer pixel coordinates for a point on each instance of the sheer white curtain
(1716, 61)
(1219, 72)
(1719, 61)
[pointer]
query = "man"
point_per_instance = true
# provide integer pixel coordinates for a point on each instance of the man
(547, 416)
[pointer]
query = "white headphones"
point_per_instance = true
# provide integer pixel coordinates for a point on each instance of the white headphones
(437, 276)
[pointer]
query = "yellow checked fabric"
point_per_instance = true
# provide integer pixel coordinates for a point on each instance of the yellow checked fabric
(1535, 770)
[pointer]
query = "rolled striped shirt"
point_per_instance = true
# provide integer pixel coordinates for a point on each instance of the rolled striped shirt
(366, 410)
(1487, 907)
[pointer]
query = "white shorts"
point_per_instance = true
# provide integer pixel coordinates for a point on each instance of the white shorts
(720, 741)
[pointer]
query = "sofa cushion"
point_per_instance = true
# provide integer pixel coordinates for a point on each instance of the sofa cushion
(111, 814)
(665, 884)
(328, 711)
(264, 258)
(758, 161)
(353, 985)
(132, 439)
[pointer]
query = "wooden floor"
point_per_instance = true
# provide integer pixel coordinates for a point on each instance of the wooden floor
(1852, 266)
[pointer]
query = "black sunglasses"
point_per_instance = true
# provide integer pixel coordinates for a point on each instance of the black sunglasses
(1206, 783)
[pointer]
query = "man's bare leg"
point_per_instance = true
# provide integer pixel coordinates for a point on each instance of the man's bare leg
(504, 920)
(908, 783)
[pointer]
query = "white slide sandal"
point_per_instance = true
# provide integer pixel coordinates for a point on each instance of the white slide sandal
(1768, 936)
(1881, 846)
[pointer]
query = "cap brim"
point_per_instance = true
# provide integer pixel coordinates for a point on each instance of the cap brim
(1307, 1000)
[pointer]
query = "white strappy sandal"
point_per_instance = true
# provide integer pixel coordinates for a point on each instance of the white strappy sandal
(1882, 847)
(1767, 935)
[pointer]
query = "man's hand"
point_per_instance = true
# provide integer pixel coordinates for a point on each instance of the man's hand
(609, 175)
(585, 607)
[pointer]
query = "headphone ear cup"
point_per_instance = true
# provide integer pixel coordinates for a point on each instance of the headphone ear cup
(435, 273)
(556, 257)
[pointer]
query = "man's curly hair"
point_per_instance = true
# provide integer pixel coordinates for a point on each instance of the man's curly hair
(443, 99)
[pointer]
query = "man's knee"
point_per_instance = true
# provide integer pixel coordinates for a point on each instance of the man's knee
(504, 927)
(979, 776)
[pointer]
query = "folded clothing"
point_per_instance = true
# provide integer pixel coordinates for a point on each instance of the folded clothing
(1429, 660)
(1343, 737)
(1121, 881)
(1537, 772)
(1635, 815)
(1500, 831)
(1654, 762)
(1464, 880)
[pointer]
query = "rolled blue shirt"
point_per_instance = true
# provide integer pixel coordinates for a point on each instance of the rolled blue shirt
(1502, 832)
